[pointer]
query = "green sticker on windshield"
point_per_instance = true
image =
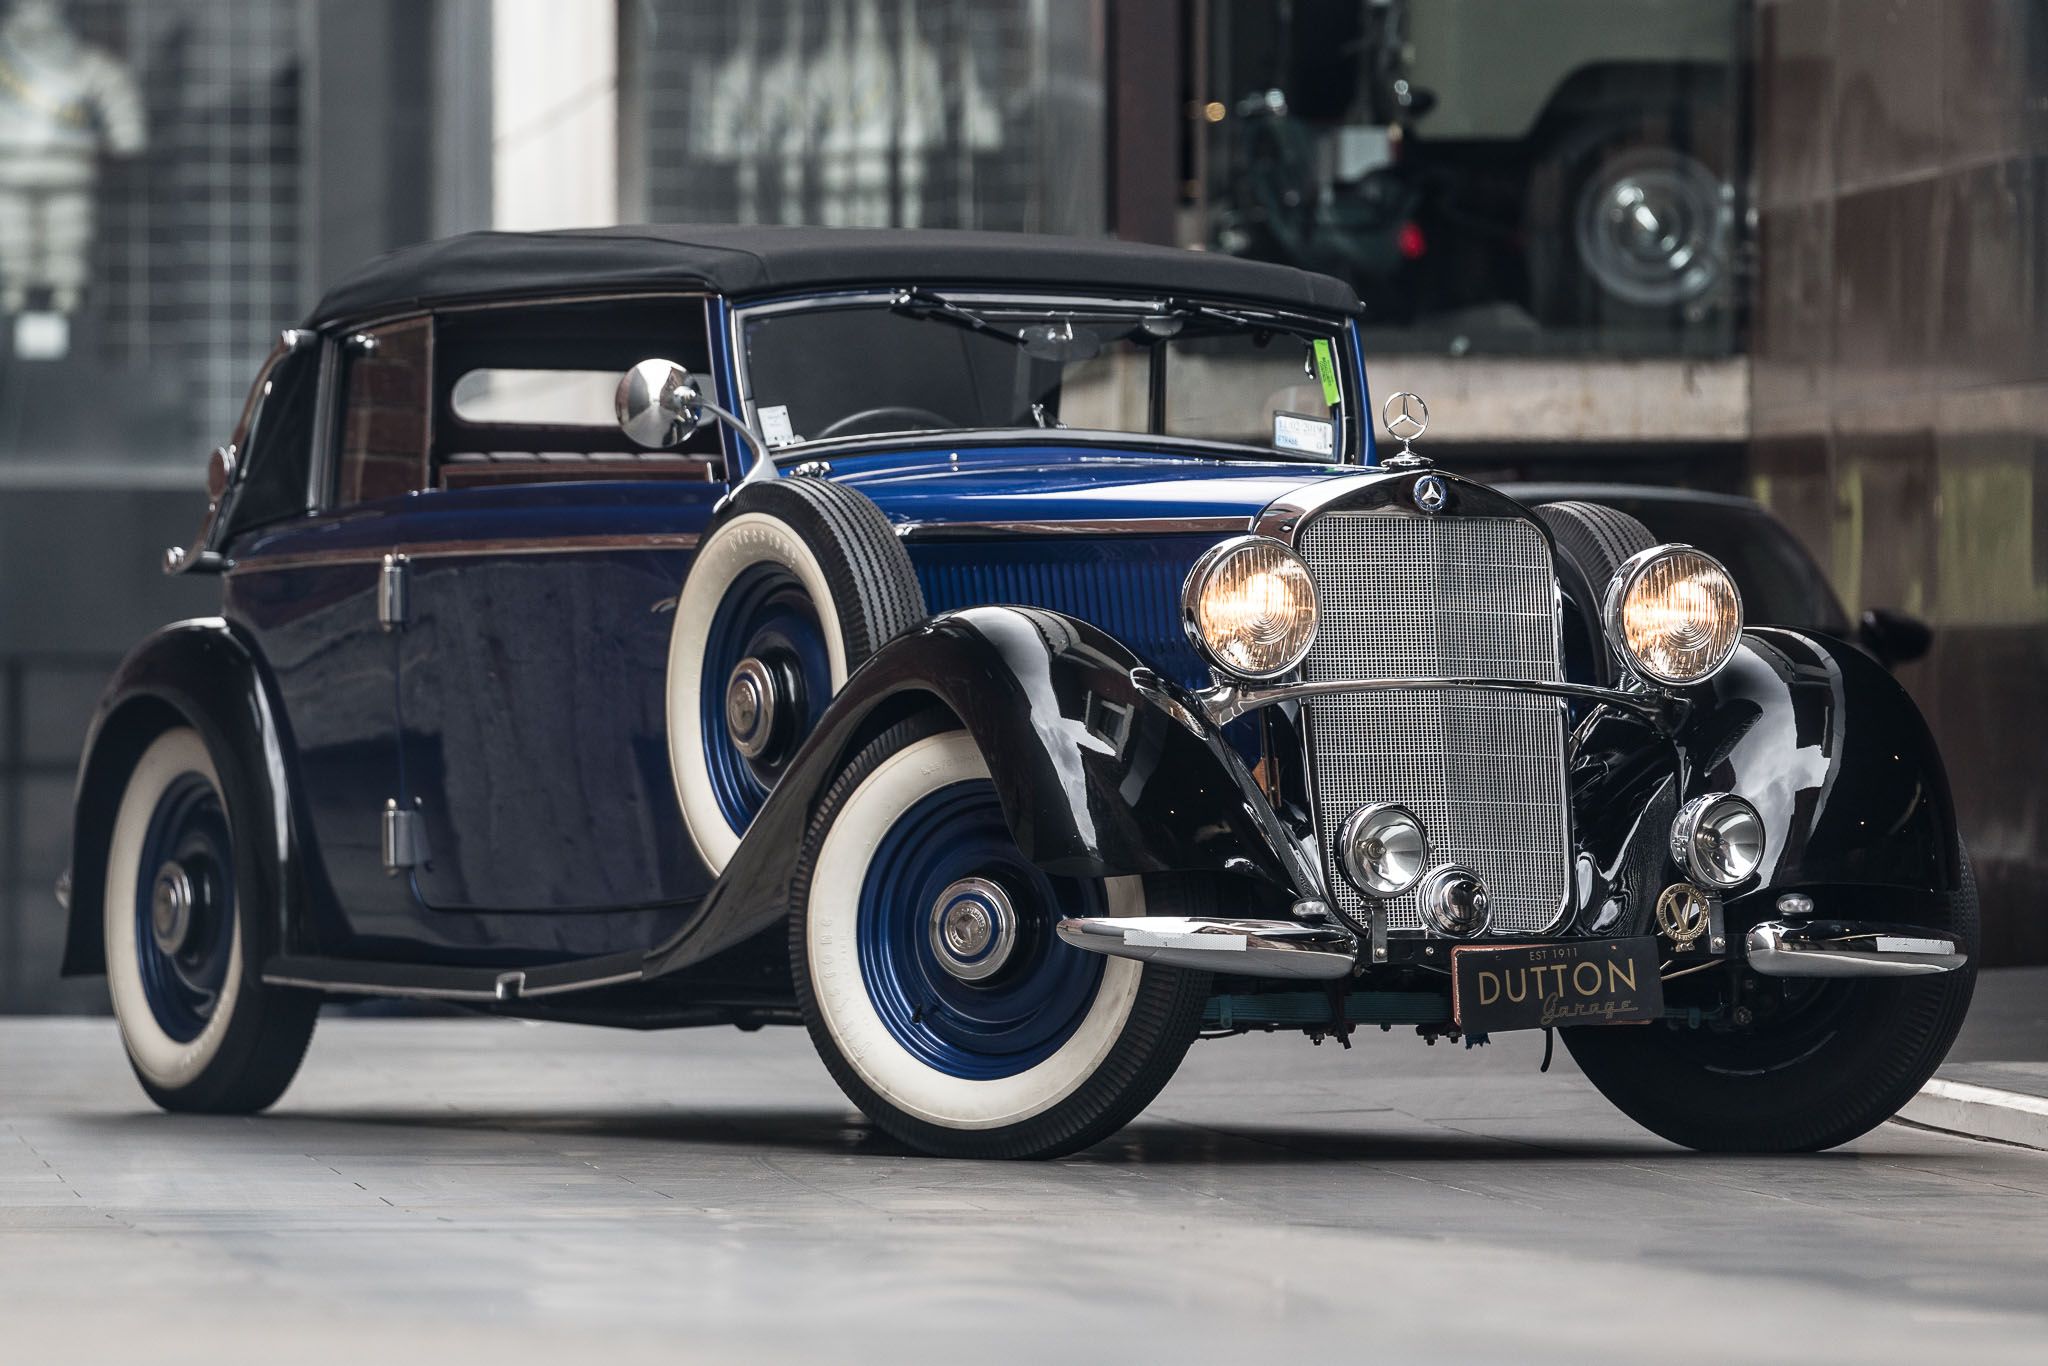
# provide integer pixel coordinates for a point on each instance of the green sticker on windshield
(1326, 371)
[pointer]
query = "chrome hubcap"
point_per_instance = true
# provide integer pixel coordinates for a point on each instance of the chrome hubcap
(172, 900)
(973, 929)
(752, 702)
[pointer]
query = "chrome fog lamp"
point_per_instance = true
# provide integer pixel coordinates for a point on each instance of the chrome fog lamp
(1674, 615)
(1249, 606)
(1382, 848)
(1718, 840)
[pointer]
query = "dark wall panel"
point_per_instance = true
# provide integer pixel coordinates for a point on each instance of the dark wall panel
(1900, 375)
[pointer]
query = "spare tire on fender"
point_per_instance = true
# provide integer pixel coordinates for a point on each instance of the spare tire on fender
(796, 582)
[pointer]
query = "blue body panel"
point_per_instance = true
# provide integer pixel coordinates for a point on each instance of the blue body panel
(1127, 585)
(1062, 482)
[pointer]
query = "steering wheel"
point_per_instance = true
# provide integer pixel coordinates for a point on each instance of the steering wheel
(852, 422)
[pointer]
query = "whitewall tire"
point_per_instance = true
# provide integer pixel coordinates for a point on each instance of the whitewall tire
(931, 979)
(200, 1030)
(795, 584)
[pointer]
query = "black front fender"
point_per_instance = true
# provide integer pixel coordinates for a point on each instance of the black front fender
(1835, 757)
(1104, 769)
(197, 673)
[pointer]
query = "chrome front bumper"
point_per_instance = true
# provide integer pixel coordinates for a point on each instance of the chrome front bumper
(1849, 948)
(1249, 948)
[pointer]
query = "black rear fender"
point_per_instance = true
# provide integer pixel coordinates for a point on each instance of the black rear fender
(201, 674)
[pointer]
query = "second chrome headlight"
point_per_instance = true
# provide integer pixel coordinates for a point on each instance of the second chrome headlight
(1249, 606)
(1674, 615)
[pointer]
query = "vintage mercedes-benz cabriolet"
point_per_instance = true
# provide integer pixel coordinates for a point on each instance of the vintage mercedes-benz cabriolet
(1011, 659)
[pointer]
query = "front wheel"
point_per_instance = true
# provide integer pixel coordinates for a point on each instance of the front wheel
(1821, 1061)
(202, 1031)
(923, 948)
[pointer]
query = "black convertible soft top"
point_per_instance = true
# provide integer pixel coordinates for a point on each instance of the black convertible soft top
(744, 261)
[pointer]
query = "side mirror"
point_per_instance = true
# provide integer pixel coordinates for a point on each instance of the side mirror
(1894, 637)
(660, 404)
(220, 474)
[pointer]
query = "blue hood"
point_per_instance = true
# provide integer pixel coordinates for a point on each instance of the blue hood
(1077, 483)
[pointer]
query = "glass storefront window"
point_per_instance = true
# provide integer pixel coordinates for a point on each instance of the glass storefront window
(150, 223)
(868, 113)
(1491, 175)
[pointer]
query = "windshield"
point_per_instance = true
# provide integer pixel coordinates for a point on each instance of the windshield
(922, 361)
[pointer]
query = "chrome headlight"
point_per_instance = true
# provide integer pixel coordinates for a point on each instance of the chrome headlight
(1718, 839)
(1249, 606)
(1674, 615)
(1382, 848)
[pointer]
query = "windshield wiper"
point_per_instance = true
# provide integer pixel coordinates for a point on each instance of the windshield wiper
(1187, 308)
(923, 303)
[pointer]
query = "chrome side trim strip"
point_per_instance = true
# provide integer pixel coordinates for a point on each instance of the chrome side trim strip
(1849, 948)
(1106, 526)
(1225, 702)
(1247, 948)
(442, 550)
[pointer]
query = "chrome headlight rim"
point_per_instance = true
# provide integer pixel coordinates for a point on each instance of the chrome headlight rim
(1626, 577)
(1346, 839)
(1197, 581)
(1685, 829)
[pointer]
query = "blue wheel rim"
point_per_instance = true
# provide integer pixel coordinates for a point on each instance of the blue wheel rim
(767, 615)
(1006, 1023)
(189, 828)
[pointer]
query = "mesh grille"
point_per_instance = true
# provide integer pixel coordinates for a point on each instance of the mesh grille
(1413, 596)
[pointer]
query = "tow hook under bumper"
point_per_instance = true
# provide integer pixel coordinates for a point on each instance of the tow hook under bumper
(1849, 948)
(1248, 948)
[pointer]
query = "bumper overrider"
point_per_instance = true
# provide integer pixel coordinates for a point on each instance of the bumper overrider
(1760, 810)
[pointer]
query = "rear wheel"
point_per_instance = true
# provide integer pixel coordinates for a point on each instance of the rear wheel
(1823, 1061)
(937, 993)
(202, 1031)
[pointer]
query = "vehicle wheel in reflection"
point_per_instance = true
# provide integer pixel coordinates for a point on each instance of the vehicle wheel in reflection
(1630, 230)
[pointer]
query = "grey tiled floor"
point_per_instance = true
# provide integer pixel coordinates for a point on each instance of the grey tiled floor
(458, 1190)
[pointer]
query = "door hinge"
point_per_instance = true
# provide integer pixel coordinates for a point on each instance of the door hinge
(394, 592)
(405, 838)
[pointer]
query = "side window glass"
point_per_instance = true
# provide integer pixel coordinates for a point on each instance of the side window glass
(384, 426)
(280, 446)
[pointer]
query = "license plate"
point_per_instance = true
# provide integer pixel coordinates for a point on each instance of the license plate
(1530, 986)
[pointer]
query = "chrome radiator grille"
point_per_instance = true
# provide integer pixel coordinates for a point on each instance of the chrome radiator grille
(1408, 596)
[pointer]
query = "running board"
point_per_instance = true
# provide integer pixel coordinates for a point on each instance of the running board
(1849, 948)
(419, 981)
(1247, 948)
